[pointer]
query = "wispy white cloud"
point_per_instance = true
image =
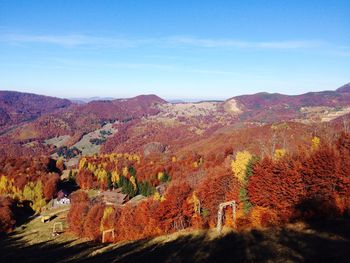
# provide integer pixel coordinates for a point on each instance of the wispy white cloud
(229, 43)
(341, 53)
(290, 44)
(214, 72)
(68, 40)
(76, 40)
(64, 63)
(139, 65)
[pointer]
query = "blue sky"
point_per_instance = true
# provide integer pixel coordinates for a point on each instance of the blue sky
(175, 49)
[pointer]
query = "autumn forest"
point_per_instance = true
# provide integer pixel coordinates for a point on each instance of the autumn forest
(152, 175)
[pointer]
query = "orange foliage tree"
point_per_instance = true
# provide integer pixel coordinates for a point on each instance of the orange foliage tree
(92, 222)
(219, 186)
(7, 219)
(174, 213)
(50, 187)
(277, 185)
(80, 205)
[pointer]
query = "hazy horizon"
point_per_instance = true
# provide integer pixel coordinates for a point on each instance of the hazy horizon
(171, 99)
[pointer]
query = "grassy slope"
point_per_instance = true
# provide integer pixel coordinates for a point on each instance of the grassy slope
(322, 242)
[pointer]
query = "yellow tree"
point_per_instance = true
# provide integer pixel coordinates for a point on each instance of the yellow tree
(125, 171)
(92, 168)
(101, 175)
(82, 163)
(34, 192)
(115, 177)
(28, 191)
(3, 185)
(105, 222)
(158, 197)
(196, 203)
(133, 182)
(239, 166)
(160, 175)
(16, 192)
(279, 153)
(315, 143)
(39, 200)
(136, 158)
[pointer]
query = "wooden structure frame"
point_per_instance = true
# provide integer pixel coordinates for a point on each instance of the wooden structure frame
(56, 224)
(179, 224)
(221, 214)
(107, 232)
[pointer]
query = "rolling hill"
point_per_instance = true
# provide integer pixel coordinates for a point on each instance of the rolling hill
(148, 119)
(17, 108)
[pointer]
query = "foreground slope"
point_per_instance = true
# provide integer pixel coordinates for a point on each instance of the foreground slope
(326, 241)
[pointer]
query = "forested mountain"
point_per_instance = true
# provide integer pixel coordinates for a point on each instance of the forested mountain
(148, 119)
(18, 107)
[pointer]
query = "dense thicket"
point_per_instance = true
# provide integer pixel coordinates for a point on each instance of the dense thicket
(285, 186)
(7, 217)
(25, 183)
(307, 184)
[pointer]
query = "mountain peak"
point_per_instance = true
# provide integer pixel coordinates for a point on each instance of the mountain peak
(344, 88)
(148, 98)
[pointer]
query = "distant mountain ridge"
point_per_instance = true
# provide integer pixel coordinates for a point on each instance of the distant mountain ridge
(344, 88)
(79, 119)
(269, 107)
(41, 111)
(18, 107)
(28, 119)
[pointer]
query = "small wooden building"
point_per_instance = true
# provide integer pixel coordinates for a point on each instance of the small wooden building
(114, 197)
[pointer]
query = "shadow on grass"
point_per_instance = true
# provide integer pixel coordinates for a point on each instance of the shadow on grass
(23, 212)
(327, 241)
